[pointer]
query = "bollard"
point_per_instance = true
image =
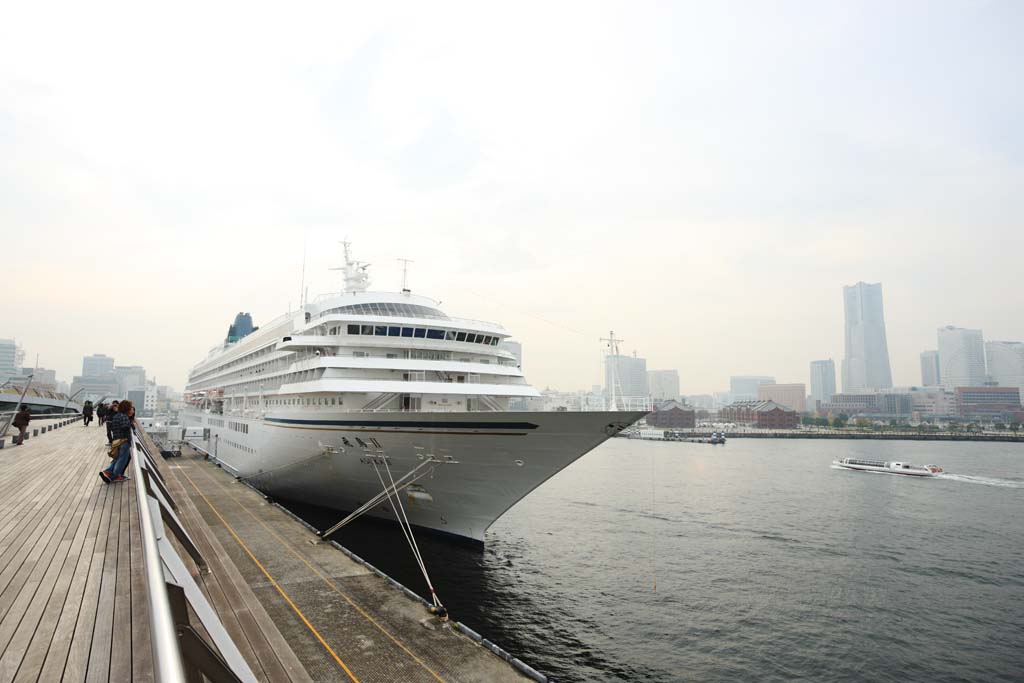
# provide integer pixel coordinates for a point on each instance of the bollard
(35, 432)
(2, 443)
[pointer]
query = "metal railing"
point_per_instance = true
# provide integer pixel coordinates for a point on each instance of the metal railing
(180, 653)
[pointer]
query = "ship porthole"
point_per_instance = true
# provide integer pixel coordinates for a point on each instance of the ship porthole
(519, 463)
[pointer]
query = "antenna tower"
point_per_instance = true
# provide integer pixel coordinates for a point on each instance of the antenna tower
(405, 273)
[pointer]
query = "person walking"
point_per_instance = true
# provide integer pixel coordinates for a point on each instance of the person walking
(121, 425)
(21, 421)
(111, 414)
(87, 413)
(101, 411)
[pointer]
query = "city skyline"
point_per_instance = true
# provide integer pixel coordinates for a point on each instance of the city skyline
(612, 176)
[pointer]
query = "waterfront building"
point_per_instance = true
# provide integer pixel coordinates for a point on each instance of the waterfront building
(764, 414)
(931, 372)
(515, 348)
(866, 360)
(961, 357)
(94, 388)
(663, 384)
(851, 404)
(1005, 361)
(823, 381)
(628, 374)
(989, 403)
(744, 387)
(792, 396)
(933, 402)
(674, 415)
(97, 365)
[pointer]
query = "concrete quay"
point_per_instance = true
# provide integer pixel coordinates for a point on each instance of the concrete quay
(76, 597)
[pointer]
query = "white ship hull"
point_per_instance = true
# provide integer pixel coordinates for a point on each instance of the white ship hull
(486, 461)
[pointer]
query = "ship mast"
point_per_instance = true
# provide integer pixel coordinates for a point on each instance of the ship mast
(356, 277)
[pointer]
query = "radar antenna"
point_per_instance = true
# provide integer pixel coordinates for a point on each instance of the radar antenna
(356, 277)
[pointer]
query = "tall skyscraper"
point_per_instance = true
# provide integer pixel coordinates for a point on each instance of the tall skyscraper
(961, 357)
(931, 372)
(866, 363)
(744, 387)
(1005, 360)
(97, 365)
(8, 359)
(663, 384)
(628, 374)
(823, 381)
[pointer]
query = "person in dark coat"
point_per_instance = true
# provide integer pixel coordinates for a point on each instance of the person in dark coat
(87, 413)
(21, 421)
(121, 425)
(111, 413)
(101, 412)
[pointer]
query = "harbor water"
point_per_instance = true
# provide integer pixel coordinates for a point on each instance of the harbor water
(757, 560)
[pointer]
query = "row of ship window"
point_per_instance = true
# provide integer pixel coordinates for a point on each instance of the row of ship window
(419, 333)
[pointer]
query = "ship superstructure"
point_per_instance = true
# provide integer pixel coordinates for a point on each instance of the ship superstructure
(320, 403)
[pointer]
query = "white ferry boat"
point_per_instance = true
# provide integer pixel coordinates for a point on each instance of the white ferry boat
(888, 467)
(326, 404)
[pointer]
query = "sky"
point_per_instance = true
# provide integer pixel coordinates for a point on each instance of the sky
(702, 178)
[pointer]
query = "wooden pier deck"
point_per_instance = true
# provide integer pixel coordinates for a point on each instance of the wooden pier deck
(73, 600)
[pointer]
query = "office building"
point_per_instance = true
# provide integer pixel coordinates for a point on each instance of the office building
(10, 360)
(1005, 363)
(627, 375)
(130, 377)
(990, 403)
(866, 361)
(961, 357)
(823, 381)
(931, 402)
(42, 378)
(97, 365)
(931, 372)
(744, 387)
(792, 396)
(663, 384)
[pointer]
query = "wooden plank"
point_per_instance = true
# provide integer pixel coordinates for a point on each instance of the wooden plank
(55, 646)
(74, 665)
(25, 653)
(103, 628)
(22, 583)
(121, 651)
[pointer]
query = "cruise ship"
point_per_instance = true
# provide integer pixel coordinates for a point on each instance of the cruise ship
(331, 403)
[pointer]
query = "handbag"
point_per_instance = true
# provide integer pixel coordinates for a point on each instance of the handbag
(115, 448)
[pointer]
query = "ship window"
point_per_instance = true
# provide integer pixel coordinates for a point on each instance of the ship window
(394, 331)
(461, 336)
(471, 338)
(380, 331)
(406, 331)
(367, 329)
(450, 335)
(435, 334)
(353, 329)
(419, 333)
(494, 341)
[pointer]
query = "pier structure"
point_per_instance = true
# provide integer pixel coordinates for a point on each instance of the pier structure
(183, 574)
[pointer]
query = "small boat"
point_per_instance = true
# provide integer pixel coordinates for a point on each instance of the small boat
(888, 467)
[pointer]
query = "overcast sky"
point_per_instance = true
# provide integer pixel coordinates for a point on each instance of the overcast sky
(702, 177)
